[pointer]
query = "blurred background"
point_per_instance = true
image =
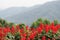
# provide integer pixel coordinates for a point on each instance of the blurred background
(28, 11)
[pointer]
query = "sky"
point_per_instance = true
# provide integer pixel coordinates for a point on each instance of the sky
(20, 3)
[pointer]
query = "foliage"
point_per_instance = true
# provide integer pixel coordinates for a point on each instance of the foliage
(40, 30)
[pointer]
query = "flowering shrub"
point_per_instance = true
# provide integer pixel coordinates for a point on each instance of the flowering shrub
(23, 32)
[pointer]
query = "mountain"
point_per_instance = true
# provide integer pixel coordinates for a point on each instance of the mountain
(11, 11)
(1, 10)
(50, 10)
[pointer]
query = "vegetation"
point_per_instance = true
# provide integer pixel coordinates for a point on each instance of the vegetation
(39, 30)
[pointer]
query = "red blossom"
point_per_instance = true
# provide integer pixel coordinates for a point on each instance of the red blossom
(47, 28)
(32, 35)
(23, 38)
(39, 29)
(28, 38)
(12, 30)
(41, 25)
(17, 27)
(27, 28)
(24, 35)
(43, 38)
(8, 29)
(5, 31)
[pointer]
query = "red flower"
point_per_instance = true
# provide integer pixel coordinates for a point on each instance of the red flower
(58, 26)
(52, 24)
(41, 25)
(8, 29)
(47, 28)
(23, 38)
(2, 34)
(5, 31)
(27, 28)
(32, 35)
(17, 27)
(1, 29)
(28, 38)
(13, 29)
(24, 35)
(43, 38)
(39, 29)
(21, 30)
(54, 29)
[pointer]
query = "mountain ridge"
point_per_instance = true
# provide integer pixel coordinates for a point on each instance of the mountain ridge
(50, 10)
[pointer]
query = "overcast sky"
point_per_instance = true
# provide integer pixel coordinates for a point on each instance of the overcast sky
(19, 3)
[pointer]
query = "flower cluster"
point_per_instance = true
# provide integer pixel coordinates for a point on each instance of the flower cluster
(42, 32)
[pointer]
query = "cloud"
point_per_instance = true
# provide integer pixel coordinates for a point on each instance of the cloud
(27, 3)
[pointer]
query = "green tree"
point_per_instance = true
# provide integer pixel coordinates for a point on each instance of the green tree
(46, 21)
(37, 23)
(55, 22)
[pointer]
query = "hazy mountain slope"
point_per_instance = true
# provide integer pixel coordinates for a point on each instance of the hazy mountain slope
(1, 10)
(12, 11)
(50, 10)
